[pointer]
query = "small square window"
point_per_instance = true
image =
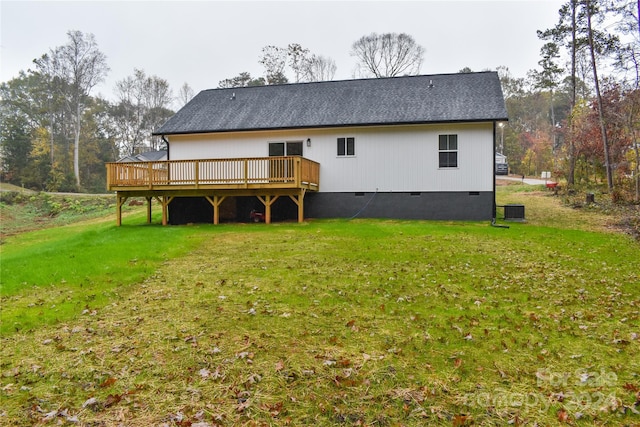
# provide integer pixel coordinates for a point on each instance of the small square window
(346, 146)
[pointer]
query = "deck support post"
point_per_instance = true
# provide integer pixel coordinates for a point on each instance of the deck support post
(216, 202)
(298, 199)
(267, 202)
(149, 209)
(164, 201)
(120, 200)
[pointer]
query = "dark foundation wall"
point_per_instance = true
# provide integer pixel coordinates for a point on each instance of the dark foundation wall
(198, 210)
(461, 206)
(467, 206)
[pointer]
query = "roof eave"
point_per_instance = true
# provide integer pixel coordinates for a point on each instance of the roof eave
(341, 125)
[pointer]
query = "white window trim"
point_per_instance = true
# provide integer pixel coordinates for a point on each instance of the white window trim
(345, 155)
(457, 151)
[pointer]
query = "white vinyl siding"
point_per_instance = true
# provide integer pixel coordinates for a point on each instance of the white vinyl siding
(389, 159)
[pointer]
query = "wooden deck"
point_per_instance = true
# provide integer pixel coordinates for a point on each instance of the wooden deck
(266, 178)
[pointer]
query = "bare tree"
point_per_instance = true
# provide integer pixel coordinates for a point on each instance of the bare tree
(298, 57)
(319, 68)
(388, 55)
(128, 113)
(79, 66)
(274, 60)
(306, 67)
(185, 94)
(628, 25)
(591, 10)
(158, 99)
(143, 105)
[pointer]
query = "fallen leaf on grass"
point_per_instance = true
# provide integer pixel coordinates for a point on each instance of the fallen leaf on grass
(50, 416)
(112, 399)
(64, 413)
(631, 387)
(273, 409)
(340, 381)
(461, 420)
(205, 373)
(245, 355)
(242, 405)
(344, 363)
(92, 403)
(108, 382)
(563, 416)
(253, 379)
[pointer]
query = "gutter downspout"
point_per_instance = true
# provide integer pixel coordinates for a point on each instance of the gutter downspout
(166, 141)
(495, 205)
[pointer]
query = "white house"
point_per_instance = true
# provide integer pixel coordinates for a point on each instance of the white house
(417, 147)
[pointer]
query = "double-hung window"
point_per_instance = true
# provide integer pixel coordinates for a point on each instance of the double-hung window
(346, 146)
(448, 151)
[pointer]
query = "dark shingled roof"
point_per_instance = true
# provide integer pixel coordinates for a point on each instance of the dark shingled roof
(465, 97)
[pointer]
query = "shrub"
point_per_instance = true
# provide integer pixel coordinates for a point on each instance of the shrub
(11, 197)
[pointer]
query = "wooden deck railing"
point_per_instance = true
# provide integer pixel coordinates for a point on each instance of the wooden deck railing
(258, 172)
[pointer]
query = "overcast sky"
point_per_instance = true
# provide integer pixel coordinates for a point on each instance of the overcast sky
(203, 42)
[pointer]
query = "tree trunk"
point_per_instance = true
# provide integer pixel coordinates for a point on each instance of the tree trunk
(571, 175)
(51, 139)
(637, 171)
(572, 147)
(76, 147)
(553, 131)
(603, 129)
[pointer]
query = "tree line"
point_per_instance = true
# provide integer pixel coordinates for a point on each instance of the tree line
(576, 115)
(56, 136)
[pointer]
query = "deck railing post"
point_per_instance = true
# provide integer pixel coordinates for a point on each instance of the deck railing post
(150, 175)
(246, 172)
(197, 172)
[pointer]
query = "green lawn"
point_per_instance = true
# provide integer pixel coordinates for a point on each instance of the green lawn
(364, 322)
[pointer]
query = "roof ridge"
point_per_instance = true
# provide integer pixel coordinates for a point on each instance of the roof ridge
(349, 80)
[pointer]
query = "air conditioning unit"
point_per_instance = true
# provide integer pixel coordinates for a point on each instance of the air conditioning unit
(514, 212)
